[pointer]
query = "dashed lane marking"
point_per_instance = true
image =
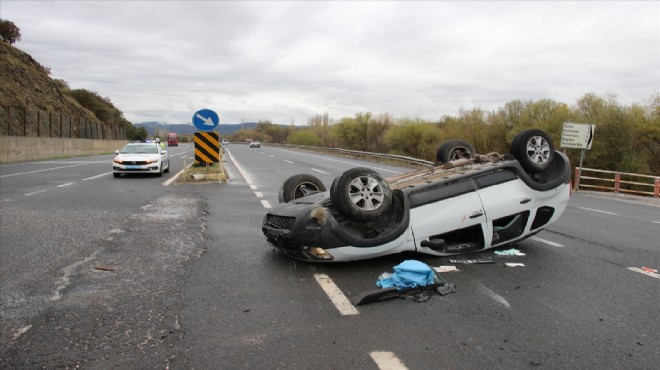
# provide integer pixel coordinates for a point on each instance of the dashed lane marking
(258, 194)
(48, 169)
(287, 161)
(548, 242)
(599, 211)
(270, 155)
(387, 361)
(323, 172)
(35, 192)
(335, 294)
(63, 185)
(97, 176)
(253, 187)
(657, 222)
(651, 274)
(266, 204)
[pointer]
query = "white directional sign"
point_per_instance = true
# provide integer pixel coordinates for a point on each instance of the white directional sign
(577, 135)
(205, 120)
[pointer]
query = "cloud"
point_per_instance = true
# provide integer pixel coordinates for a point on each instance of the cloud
(287, 61)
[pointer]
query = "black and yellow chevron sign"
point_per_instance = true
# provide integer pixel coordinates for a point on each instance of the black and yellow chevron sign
(207, 147)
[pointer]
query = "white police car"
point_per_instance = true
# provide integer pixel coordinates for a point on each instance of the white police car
(141, 157)
(465, 203)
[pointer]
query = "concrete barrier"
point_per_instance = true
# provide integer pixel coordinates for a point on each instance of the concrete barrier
(31, 148)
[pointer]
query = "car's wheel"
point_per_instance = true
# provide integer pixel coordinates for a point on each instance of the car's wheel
(453, 150)
(298, 186)
(160, 170)
(115, 174)
(534, 150)
(361, 194)
(167, 170)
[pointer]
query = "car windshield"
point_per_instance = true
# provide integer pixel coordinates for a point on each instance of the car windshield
(140, 148)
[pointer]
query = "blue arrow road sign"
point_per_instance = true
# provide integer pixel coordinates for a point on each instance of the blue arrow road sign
(205, 119)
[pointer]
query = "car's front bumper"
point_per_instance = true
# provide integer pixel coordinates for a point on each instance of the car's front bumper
(135, 168)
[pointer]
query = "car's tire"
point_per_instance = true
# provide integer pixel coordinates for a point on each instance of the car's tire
(534, 150)
(298, 186)
(115, 174)
(453, 150)
(361, 194)
(168, 167)
(160, 171)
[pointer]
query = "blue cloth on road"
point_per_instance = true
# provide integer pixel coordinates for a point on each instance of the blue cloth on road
(409, 274)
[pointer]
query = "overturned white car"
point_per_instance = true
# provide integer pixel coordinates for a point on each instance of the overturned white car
(465, 203)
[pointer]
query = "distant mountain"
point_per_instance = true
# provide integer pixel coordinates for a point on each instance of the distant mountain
(189, 129)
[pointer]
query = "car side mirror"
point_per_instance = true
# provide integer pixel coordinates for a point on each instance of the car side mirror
(116, 151)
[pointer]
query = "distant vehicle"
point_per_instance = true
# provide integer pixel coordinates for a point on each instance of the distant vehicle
(255, 144)
(172, 139)
(141, 158)
(225, 142)
(465, 203)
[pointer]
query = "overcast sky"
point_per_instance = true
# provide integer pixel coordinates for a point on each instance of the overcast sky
(287, 61)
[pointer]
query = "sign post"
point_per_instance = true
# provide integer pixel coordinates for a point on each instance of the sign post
(579, 136)
(207, 143)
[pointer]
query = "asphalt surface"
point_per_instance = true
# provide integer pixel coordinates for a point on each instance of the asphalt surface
(187, 280)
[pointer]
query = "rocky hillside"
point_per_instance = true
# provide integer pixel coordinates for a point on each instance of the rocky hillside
(24, 83)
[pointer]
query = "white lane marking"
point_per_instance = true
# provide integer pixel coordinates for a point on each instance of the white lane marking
(258, 194)
(287, 161)
(36, 192)
(21, 331)
(598, 210)
(336, 296)
(387, 361)
(548, 242)
(314, 169)
(253, 187)
(48, 169)
(270, 155)
(657, 222)
(63, 185)
(498, 298)
(346, 162)
(169, 181)
(266, 204)
(97, 176)
(651, 274)
(245, 176)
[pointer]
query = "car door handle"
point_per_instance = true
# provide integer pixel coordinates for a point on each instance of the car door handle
(477, 214)
(526, 200)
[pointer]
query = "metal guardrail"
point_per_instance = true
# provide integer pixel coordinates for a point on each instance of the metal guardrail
(374, 157)
(617, 182)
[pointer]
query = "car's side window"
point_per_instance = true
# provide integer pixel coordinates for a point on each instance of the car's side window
(494, 178)
(437, 193)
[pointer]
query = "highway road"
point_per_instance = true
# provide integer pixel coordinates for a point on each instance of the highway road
(140, 272)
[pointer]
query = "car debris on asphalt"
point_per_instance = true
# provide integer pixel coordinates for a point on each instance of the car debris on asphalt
(473, 261)
(509, 252)
(446, 269)
(412, 280)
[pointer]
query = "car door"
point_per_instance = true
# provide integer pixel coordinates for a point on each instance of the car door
(508, 203)
(448, 218)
